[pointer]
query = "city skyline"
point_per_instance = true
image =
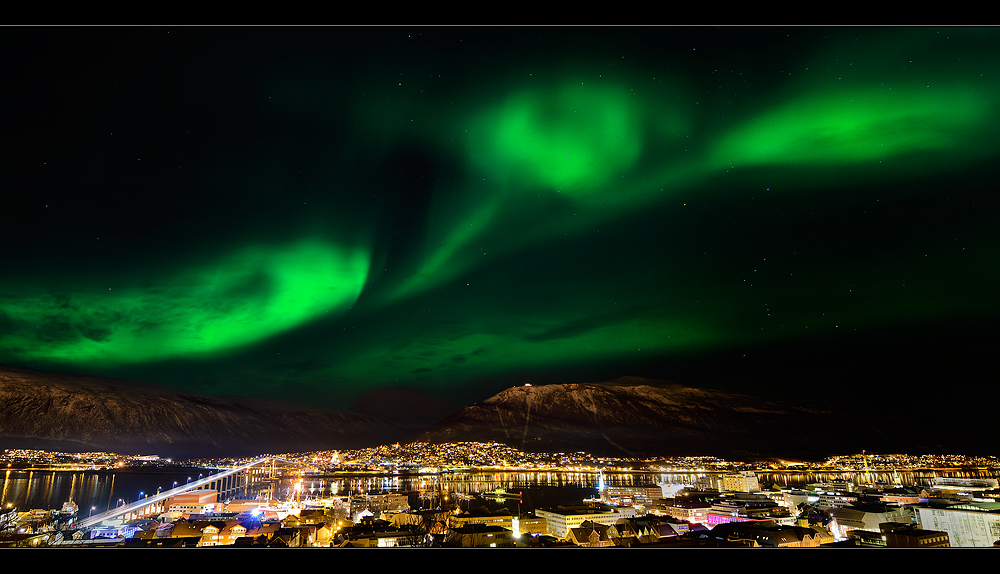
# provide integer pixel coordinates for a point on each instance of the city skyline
(383, 496)
(315, 213)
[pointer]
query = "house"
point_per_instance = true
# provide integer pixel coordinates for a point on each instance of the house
(592, 535)
(379, 534)
(214, 532)
(649, 529)
(222, 533)
(769, 534)
(480, 536)
(561, 519)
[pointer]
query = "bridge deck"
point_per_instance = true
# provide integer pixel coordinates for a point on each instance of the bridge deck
(164, 495)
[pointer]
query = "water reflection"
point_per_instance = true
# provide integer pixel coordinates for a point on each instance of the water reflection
(93, 491)
(524, 490)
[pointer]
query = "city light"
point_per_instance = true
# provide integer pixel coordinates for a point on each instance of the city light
(454, 492)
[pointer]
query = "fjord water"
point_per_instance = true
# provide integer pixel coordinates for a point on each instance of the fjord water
(99, 491)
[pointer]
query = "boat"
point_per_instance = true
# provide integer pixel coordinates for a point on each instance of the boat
(959, 483)
(69, 509)
(501, 494)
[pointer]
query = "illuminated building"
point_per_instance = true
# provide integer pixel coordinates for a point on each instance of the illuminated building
(560, 520)
(527, 525)
(221, 533)
(742, 507)
(693, 511)
(376, 504)
(593, 535)
(743, 481)
(482, 515)
(792, 498)
(865, 517)
(959, 483)
(768, 534)
(900, 499)
(628, 495)
(379, 534)
(833, 498)
(194, 501)
(648, 529)
(967, 524)
(904, 535)
(480, 536)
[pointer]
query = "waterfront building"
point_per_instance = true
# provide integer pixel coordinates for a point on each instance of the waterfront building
(743, 481)
(193, 502)
(376, 504)
(705, 482)
(247, 505)
(964, 484)
(632, 495)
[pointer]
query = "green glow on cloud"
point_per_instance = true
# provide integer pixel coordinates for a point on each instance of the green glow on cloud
(255, 293)
(563, 210)
(442, 356)
(862, 126)
(546, 160)
(571, 138)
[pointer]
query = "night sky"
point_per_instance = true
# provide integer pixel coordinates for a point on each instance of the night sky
(314, 213)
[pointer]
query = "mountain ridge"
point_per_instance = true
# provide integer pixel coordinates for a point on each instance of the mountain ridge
(86, 412)
(631, 416)
(627, 416)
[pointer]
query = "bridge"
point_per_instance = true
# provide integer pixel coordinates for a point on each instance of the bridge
(242, 481)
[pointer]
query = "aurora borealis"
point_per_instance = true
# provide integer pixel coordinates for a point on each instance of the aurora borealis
(314, 213)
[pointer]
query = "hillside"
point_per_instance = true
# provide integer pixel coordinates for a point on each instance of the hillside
(78, 413)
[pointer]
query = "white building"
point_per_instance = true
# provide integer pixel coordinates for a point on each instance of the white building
(967, 525)
(689, 511)
(743, 481)
(560, 520)
(866, 517)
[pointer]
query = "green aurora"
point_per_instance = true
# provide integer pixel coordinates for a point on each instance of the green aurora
(244, 212)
